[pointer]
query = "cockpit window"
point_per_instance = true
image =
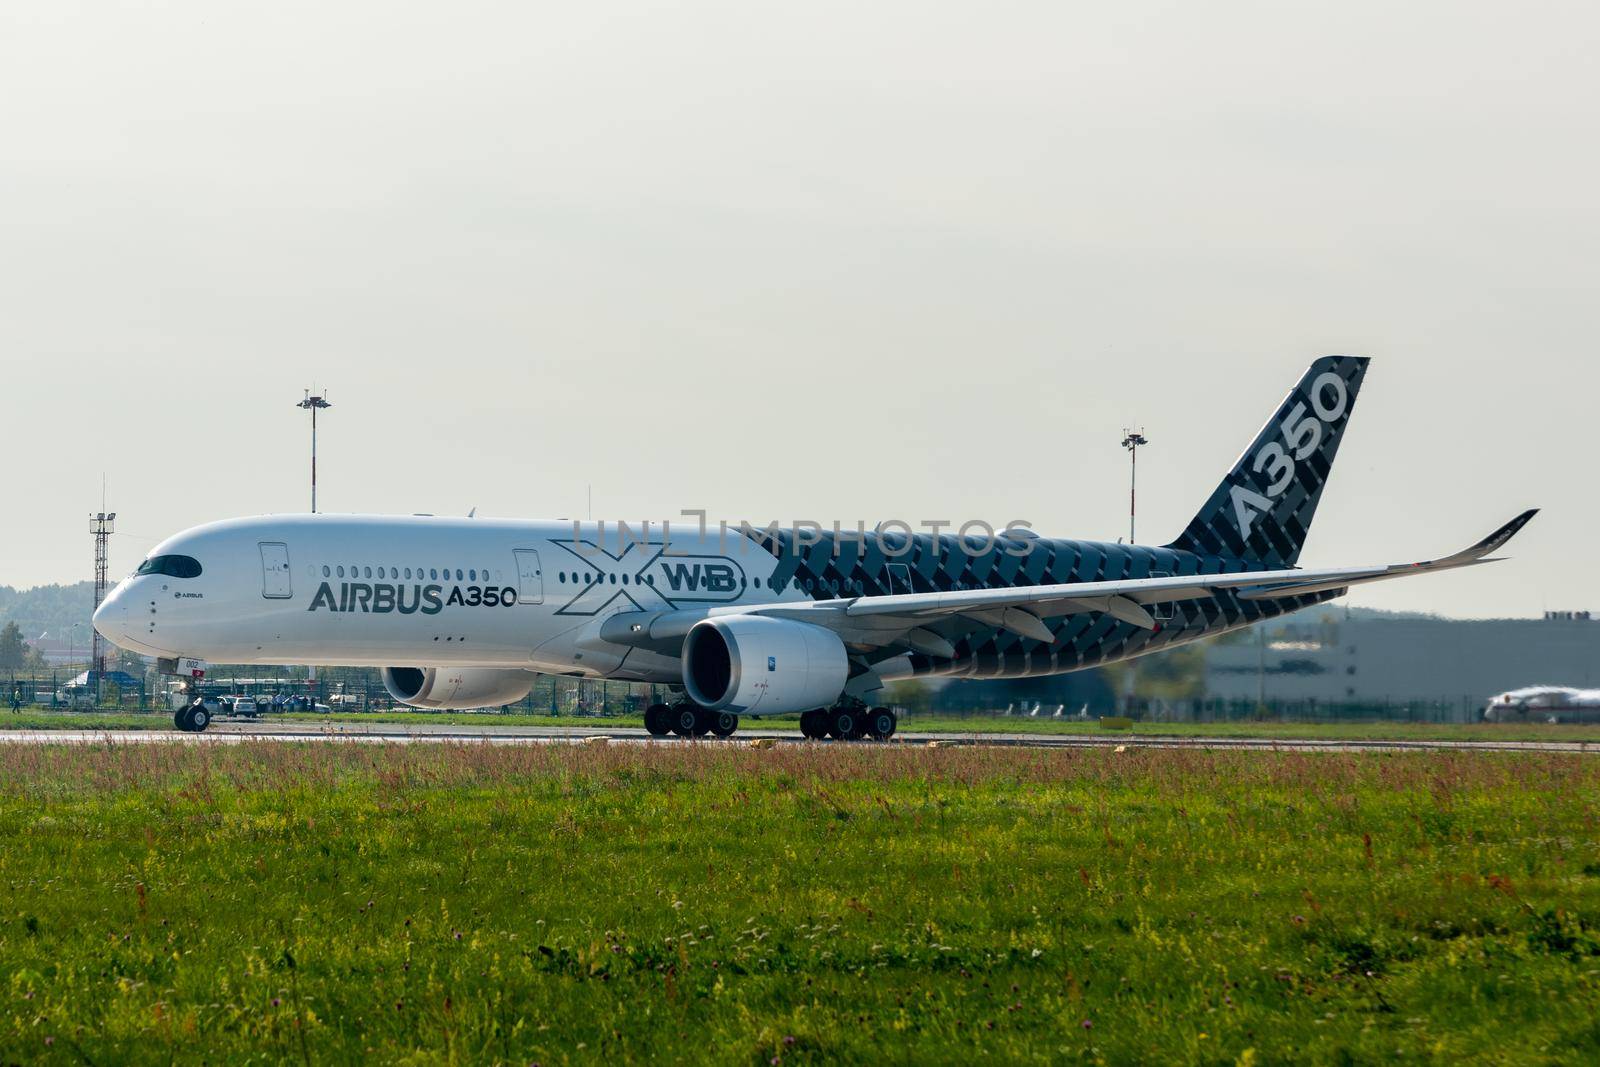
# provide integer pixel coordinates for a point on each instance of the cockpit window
(172, 566)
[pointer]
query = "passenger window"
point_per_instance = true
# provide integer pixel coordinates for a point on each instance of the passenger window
(433, 574)
(326, 573)
(472, 576)
(341, 570)
(458, 574)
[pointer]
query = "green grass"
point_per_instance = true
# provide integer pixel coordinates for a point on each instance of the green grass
(41, 719)
(804, 904)
(1332, 731)
(48, 719)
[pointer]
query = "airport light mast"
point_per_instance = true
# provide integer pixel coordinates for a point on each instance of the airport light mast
(1131, 440)
(101, 524)
(314, 404)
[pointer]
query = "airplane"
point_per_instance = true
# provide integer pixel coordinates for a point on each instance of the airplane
(1544, 703)
(461, 613)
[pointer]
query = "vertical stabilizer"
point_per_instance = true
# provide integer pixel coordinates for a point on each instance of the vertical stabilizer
(1264, 507)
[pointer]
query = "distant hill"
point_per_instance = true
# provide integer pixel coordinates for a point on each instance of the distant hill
(1338, 611)
(50, 608)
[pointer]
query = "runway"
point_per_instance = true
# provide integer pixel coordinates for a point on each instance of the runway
(426, 733)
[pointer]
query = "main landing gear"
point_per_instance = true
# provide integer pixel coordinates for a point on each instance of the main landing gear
(193, 718)
(688, 720)
(844, 722)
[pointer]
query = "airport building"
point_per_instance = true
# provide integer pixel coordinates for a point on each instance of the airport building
(1358, 657)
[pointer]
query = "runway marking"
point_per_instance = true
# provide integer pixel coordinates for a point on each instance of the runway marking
(427, 733)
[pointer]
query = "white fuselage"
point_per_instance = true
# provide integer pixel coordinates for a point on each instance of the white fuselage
(379, 591)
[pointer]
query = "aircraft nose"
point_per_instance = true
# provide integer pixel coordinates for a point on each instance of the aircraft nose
(111, 617)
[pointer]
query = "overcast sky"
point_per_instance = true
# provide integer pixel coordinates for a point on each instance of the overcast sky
(834, 260)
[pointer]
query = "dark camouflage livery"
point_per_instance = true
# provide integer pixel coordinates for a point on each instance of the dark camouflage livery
(1084, 639)
(829, 566)
(1277, 536)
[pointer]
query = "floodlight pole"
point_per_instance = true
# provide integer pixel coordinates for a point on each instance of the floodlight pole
(313, 404)
(1131, 440)
(101, 524)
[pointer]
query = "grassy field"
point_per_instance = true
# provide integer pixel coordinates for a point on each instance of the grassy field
(41, 719)
(1343, 731)
(44, 719)
(804, 904)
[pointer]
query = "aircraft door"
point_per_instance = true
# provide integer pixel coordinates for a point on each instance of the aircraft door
(530, 577)
(275, 570)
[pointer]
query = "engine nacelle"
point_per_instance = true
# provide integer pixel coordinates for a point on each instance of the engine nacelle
(753, 665)
(456, 688)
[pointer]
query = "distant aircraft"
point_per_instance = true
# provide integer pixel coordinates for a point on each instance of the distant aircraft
(1544, 703)
(458, 613)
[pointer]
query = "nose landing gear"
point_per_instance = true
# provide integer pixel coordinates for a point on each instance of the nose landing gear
(192, 719)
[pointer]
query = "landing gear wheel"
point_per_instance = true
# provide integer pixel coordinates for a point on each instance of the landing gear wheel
(881, 723)
(684, 717)
(180, 718)
(724, 723)
(704, 720)
(843, 725)
(658, 720)
(199, 718)
(814, 724)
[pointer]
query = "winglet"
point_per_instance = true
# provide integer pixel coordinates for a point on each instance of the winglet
(1493, 541)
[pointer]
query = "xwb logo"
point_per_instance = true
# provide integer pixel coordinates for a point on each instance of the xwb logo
(700, 577)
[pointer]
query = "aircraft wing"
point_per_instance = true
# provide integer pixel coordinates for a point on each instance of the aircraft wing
(1022, 610)
(902, 619)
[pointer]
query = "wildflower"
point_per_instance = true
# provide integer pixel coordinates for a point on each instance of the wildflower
(1087, 1025)
(275, 1002)
(789, 1040)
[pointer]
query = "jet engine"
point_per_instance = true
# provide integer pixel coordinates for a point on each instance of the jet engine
(456, 688)
(753, 665)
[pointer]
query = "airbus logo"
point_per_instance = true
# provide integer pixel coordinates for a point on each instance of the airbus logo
(644, 577)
